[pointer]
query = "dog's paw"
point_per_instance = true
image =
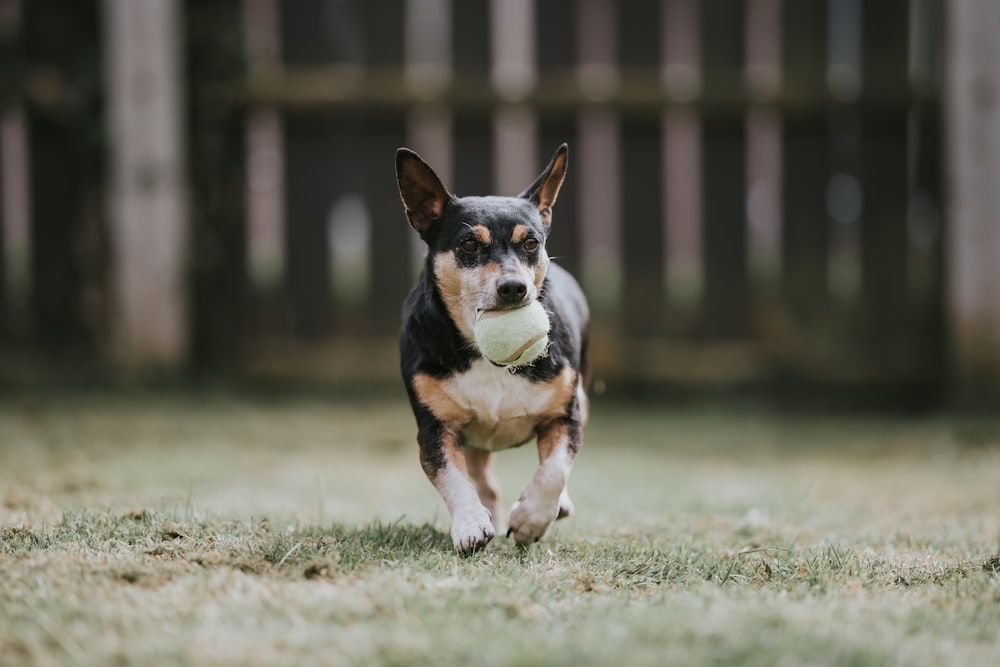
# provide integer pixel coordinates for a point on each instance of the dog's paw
(566, 507)
(529, 519)
(472, 531)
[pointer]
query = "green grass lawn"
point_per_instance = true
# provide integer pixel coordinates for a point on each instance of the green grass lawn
(216, 531)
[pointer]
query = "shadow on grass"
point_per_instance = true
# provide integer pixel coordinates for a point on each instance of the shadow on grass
(255, 546)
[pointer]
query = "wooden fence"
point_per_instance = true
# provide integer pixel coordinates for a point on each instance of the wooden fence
(755, 188)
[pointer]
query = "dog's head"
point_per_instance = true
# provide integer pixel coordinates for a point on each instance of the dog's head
(485, 253)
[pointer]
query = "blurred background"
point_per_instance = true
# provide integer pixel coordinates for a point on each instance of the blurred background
(785, 198)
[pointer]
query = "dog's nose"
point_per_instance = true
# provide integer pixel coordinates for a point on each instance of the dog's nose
(512, 291)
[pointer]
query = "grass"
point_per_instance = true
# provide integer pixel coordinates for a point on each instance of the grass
(240, 532)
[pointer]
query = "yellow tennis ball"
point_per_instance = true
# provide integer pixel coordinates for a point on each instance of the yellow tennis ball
(513, 337)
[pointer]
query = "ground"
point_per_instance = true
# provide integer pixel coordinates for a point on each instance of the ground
(248, 531)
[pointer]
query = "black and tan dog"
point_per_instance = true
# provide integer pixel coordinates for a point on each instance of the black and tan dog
(488, 253)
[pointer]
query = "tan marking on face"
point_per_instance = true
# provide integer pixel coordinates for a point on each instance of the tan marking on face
(482, 233)
(448, 277)
(466, 289)
(541, 269)
(520, 233)
(462, 289)
(432, 394)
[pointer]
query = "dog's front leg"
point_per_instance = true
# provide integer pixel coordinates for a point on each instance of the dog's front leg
(540, 502)
(444, 464)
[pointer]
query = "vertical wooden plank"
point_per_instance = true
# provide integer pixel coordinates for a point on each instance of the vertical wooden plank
(318, 167)
(555, 42)
(642, 232)
(265, 153)
(10, 23)
(312, 185)
(473, 132)
(513, 74)
(14, 184)
(725, 308)
(556, 49)
(148, 203)
(884, 80)
(389, 249)
(806, 161)
(844, 197)
(925, 214)
(642, 178)
(681, 81)
(597, 160)
(762, 74)
(638, 34)
(973, 117)
(474, 173)
(4, 295)
(62, 39)
(216, 168)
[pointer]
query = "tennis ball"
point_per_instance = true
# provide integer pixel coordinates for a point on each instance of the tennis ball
(513, 337)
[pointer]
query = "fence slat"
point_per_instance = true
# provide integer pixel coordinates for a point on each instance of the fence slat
(317, 169)
(473, 166)
(725, 307)
(974, 235)
(389, 250)
(217, 148)
(556, 50)
(642, 217)
(806, 163)
(389, 247)
(65, 41)
(884, 74)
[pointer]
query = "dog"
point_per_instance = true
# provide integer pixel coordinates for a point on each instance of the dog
(484, 254)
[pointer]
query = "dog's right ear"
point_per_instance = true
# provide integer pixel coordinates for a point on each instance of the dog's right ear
(420, 188)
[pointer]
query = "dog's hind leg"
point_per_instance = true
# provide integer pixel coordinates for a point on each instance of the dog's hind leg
(480, 466)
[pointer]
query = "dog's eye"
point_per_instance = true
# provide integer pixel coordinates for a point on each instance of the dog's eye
(531, 244)
(469, 245)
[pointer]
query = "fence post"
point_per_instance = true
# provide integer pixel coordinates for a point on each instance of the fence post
(556, 50)
(806, 162)
(884, 151)
(973, 126)
(642, 232)
(389, 250)
(726, 295)
(148, 208)
(61, 40)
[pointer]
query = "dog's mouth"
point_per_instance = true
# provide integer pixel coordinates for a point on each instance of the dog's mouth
(497, 309)
(505, 307)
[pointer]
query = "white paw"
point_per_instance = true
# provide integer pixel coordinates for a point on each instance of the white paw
(566, 507)
(529, 519)
(472, 530)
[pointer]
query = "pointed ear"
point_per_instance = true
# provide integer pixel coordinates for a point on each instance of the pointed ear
(420, 188)
(545, 189)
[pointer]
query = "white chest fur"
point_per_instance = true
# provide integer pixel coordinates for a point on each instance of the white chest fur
(502, 409)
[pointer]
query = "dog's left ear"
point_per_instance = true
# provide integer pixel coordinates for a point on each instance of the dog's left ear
(545, 189)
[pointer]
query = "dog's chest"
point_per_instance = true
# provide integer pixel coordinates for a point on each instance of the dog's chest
(502, 408)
